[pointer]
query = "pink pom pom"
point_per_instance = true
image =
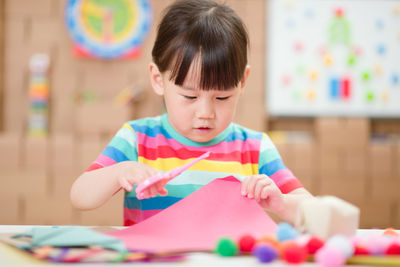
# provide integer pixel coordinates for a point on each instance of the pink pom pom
(330, 257)
(376, 244)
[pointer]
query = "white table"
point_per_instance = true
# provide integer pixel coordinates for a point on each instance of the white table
(12, 257)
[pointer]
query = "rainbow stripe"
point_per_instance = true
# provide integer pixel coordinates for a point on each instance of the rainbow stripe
(153, 141)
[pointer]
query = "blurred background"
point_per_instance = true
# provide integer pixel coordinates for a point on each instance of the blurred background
(324, 84)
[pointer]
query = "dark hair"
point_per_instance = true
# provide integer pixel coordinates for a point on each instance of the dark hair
(205, 29)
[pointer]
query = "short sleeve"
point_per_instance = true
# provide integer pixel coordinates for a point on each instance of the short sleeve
(123, 147)
(270, 163)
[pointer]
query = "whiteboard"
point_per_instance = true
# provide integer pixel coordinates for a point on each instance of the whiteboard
(333, 58)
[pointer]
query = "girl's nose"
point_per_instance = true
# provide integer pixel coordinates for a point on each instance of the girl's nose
(205, 109)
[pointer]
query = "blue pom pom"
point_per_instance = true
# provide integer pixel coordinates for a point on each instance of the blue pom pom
(285, 232)
(265, 253)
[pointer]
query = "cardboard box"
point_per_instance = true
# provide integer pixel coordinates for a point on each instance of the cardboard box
(35, 154)
(307, 178)
(63, 151)
(381, 161)
(304, 156)
(396, 161)
(34, 182)
(10, 147)
(111, 213)
(385, 190)
(100, 118)
(355, 163)
(329, 132)
(10, 209)
(376, 214)
(23, 182)
(330, 163)
(287, 156)
(352, 191)
(88, 151)
(356, 133)
(37, 8)
(10, 182)
(42, 209)
(61, 183)
(62, 117)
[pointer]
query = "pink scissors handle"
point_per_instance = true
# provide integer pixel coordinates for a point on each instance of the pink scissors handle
(166, 176)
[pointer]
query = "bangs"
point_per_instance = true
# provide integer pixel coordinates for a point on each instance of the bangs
(217, 66)
(213, 39)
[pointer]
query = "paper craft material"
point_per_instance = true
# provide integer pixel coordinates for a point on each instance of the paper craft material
(70, 236)
(196, 222)
(166, 176)
(327, 216)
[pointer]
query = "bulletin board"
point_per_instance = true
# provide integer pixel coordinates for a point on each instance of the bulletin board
(333, 58)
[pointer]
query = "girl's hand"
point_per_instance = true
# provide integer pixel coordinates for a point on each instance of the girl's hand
(132, 172)
(264, 191)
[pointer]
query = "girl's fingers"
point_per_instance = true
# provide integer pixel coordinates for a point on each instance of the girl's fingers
(163, 192)
(261, 184)
(244, 186)
(125, 185)
(152, 191)
(251, 186)
(266, 192)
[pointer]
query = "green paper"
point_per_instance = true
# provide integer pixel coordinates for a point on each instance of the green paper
(71, 236)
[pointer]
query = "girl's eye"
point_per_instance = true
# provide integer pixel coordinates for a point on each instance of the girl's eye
(190, 97)
(222, 98)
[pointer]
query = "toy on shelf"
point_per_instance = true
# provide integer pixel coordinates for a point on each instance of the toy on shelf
(38, 95)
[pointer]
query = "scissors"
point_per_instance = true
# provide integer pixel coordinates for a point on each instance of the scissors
(166, 176)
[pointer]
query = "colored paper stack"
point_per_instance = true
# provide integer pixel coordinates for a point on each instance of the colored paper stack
(38, 95)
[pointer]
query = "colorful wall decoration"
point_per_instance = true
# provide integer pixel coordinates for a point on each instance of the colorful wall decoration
(38, 95)
(333, 58)
(108, 29)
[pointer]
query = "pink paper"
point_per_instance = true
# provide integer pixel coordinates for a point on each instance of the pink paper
(197, 222)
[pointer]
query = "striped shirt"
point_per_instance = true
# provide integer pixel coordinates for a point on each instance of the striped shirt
(153, 141)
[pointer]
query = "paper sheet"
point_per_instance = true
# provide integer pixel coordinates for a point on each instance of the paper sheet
(197, 222)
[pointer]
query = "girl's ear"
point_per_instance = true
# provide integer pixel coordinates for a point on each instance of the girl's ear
(156, 79)
(244, 79)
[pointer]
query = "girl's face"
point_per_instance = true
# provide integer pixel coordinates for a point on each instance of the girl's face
(194, 113)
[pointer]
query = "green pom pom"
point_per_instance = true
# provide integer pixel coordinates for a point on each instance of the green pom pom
(226, 247)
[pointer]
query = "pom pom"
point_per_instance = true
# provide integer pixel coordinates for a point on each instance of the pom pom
(271, 240)
(314, 244)
(376, 244)
(390, 231)
(330, 257)
(265, 253)
(360, 250)
(226, 247)
(293, 253)
(246, 243)
(285, 232)
(343, 243)
(393, 249)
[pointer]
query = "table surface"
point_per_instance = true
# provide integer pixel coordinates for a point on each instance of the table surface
(10, 256)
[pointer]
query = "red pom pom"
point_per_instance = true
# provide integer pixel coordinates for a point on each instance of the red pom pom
(314, 244)
(360, 250)
(246, 243)
(294, 253)
(393, 249)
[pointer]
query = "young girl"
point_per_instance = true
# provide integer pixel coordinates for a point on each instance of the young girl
(200, 68)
